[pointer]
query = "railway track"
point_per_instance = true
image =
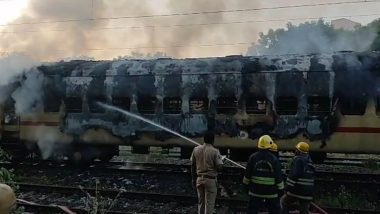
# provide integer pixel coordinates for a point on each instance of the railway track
(181, 171)
(325, 176)
(238, 205)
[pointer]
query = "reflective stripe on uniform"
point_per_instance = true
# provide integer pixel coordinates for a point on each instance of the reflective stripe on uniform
(280, 185)
(301, 181)
(288, 180)
(262, 196)
(262, 180)
(306, 180)
(300, 196)
(305, 183)
(245, 180)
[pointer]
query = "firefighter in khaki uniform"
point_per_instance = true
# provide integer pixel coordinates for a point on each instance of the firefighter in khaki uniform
(300, 182)
(206, 161)
(263, 178)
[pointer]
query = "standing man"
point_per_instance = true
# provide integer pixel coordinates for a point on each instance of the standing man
(263, 178)
(300, 182)
(274, 150)
(206, 161)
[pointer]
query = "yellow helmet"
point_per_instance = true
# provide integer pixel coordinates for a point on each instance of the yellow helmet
(303, 147)
(7, 198)
(274, 148)
(265, 142)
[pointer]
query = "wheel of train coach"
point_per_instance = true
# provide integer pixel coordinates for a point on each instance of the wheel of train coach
(81, 158)
(318, 157)
(106, 157)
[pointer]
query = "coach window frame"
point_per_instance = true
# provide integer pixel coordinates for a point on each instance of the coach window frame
(172, 105)
(286, 109)
(197, 100)
(122, 102)
(352, 111)
(142, 106)
(78, 101)
(226, 105)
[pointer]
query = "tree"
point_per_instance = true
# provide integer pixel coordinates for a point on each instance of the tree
(316, 37)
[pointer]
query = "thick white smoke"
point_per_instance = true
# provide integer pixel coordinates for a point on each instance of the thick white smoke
(96, 38)
(11, 67)
(29, 96)
(46, 139)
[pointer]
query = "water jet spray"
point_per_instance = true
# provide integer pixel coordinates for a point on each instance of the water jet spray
(113, 108)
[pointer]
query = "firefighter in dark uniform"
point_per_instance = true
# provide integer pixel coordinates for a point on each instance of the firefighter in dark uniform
(263, 178)
(274, 150)
(300, 182)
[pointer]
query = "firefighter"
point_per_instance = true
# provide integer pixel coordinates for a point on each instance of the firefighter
(274, 150)
(206, 161)
(7, 199)
(300, 182)
(263, 178)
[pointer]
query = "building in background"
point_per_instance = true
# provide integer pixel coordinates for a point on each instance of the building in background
(344, 24)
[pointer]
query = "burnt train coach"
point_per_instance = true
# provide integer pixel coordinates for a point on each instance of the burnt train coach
(329, 100)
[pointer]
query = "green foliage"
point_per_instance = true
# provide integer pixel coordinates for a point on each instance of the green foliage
(376, 43)
(372, 164)
(317, 37)
(6, 176)
(97, 204)
(345, 198)
(4, 156)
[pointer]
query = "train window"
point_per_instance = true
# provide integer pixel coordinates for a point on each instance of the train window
(93, 104)
(353, 105)
(255, 105)
(198, 105)
(146, 105)
(73, 104)
(286, 105)
(122, 102)
(317, 105)
(226, 105)
(52, 105)
(172, 105)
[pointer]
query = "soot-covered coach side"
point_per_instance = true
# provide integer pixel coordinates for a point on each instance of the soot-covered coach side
(327, 99)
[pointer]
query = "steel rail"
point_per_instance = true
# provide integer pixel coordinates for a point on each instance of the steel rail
(160, 197)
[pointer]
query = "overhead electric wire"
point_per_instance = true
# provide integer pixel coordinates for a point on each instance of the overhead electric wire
(195, 13)
(194, 24)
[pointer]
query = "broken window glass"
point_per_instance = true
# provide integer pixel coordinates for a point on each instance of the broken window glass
(286, 105)
(318, 105)
(73, 104)
(93, 104)
(146, 105)
(198, 105)
(172, 105)
(255, 105)
(122, 102)
(355, 105)
(226, 105)
(52, 105)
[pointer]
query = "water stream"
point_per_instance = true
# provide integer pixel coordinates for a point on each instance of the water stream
(113, 108)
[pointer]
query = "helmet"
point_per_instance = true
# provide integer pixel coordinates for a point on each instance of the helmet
(265, 142)
(303, 147)
(274, 148)
(7, 198)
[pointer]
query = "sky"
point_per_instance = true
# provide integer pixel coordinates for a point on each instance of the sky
(45, 39)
